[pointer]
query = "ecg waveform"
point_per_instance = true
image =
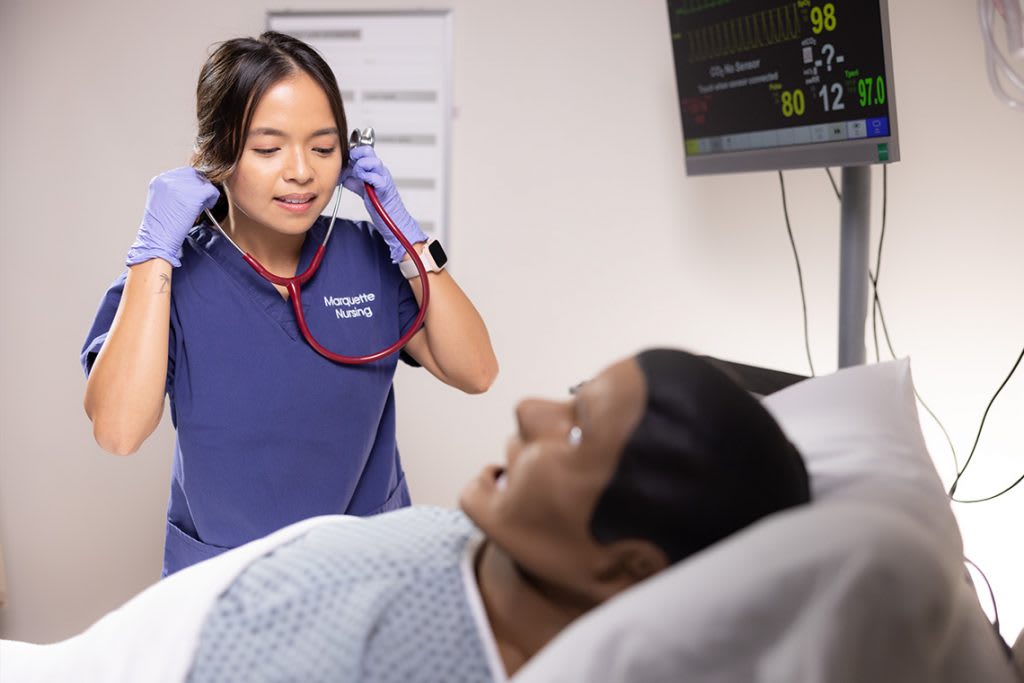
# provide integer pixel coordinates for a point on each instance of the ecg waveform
(753, 31)
(687, 7)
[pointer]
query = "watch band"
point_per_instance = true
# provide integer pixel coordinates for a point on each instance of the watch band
(433, 257)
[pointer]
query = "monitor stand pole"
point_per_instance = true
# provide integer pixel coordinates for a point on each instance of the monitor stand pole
(854, 241)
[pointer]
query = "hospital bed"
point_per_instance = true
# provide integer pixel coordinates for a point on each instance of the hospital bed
(866, 583)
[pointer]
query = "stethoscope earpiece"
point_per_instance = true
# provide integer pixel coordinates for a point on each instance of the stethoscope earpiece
(361, 137)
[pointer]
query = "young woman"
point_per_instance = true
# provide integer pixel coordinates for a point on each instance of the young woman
(268, 430)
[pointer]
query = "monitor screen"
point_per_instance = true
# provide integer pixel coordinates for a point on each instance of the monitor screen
(765, 86)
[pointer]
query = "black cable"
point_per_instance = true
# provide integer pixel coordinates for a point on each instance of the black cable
(991, 595)
(977, 437)
(839, 195)
(799, 273)
(994, 495)
(876, 309)
(892, 351)
(877, 313)
(878, 261)
(981, 426)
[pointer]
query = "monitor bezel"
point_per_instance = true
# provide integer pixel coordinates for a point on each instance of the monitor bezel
(860, 152)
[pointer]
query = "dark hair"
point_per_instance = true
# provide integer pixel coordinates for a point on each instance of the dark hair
(706, 460)
(231, 84)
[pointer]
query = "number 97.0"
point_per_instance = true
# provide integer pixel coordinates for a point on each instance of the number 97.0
(871, 91)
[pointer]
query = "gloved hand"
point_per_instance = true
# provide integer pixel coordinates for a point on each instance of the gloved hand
(175, 199)
(366, 167)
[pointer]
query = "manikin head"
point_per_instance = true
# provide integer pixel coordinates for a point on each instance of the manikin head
(654, 459)
(271, 131)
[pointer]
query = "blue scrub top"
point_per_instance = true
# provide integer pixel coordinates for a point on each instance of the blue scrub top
(268, 431)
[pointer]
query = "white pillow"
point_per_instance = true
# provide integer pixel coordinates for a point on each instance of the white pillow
(860, 435)
(856, 586)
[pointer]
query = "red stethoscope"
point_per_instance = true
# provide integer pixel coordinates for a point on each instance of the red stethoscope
(293, 284)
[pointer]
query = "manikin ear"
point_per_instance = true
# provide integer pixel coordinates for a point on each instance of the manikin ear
(630, 561)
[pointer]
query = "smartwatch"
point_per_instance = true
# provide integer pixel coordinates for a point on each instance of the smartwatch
(433, 257)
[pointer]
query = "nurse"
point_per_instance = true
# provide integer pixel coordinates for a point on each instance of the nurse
(268, 431)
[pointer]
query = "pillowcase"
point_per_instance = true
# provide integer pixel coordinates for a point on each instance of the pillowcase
(860, 435)
(858, 585)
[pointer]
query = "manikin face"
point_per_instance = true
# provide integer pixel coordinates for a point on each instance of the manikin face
(291, 159)
(558, 464)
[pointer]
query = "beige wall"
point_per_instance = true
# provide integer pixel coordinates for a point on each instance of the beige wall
(574, 228)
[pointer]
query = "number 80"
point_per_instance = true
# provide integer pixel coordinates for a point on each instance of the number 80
(793, 103)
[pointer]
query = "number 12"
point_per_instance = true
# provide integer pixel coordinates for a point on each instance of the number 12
(837, 97)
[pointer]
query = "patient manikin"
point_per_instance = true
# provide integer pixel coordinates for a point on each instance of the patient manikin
(644, 465)
(654, 459)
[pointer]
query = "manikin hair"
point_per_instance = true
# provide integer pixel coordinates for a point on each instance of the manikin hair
(705, 460)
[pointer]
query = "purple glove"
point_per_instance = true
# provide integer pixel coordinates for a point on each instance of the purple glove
(175, 199)
(365, 166)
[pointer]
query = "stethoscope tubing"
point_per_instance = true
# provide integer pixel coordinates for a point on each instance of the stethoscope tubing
(293, 284)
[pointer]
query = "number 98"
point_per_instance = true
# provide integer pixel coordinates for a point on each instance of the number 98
(823, 18)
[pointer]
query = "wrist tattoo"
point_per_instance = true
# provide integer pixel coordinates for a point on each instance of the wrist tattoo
(165, 283)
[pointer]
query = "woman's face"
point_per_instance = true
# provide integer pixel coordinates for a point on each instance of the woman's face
(291, 158)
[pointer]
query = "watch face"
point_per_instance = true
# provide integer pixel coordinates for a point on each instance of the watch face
(437, 253)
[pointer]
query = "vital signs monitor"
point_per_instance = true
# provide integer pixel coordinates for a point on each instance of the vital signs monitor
(766, 86)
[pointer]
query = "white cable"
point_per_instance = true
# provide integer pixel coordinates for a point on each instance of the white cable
(334, 215)
(1012, 18)
(996, 63)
